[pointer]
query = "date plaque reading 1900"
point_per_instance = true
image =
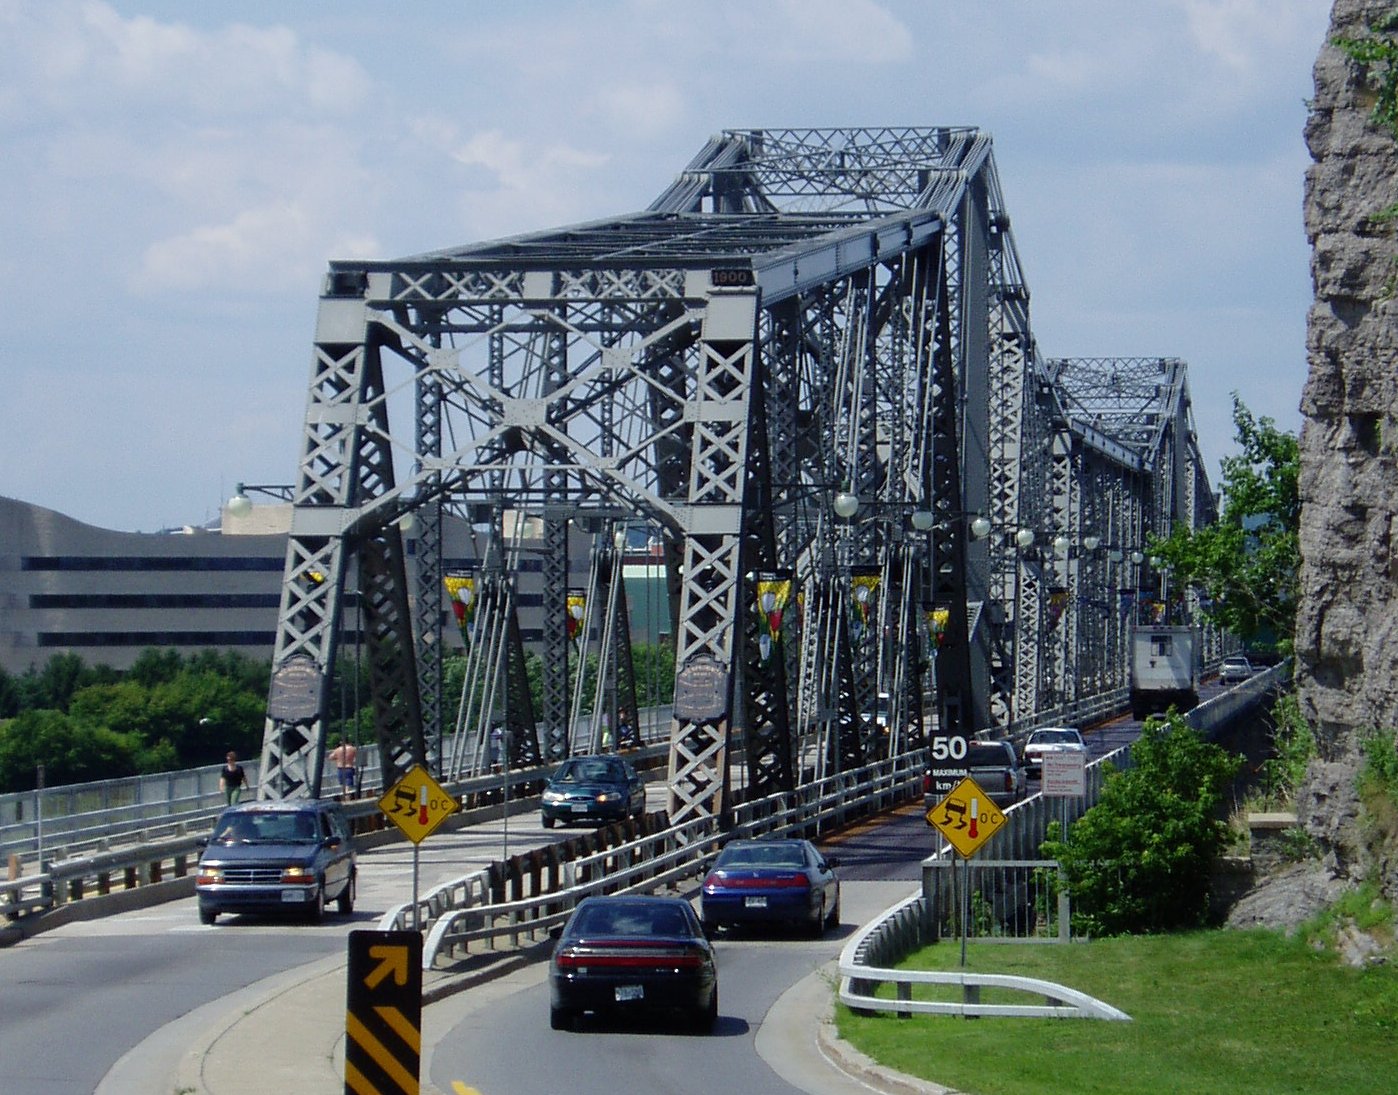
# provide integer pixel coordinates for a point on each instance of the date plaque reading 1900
(701, 689)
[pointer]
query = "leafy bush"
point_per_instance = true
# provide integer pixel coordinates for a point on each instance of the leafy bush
(1142, 858)
(1294, 747)
(1379, 775)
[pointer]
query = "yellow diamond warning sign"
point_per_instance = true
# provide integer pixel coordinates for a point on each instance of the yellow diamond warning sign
(966, 817)
(417, 804)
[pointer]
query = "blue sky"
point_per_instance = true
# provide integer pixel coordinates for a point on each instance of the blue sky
(177, 176)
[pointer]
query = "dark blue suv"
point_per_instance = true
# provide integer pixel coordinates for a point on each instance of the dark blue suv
(289, 856)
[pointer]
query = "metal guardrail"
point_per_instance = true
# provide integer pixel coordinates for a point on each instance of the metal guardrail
(68, 820)
(657, 860)
(164, 846)
(867, 960)
(146, 862)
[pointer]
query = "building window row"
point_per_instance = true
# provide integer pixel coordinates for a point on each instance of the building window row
(153, 600)
(156, 638)
(149, 562)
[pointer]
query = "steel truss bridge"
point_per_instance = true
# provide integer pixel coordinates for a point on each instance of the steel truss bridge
(807, 372)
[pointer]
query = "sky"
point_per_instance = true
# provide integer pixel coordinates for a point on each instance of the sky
(178, 175)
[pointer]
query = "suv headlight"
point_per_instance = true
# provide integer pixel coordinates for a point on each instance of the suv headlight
(209, 876)
(298, 876)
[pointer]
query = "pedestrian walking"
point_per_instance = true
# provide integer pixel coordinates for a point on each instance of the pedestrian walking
(345, 757)
(232, 779)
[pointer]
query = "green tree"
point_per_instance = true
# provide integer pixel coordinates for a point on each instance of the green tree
(53, 685)
(1142, 858)
(155, 665)
(1245, 564)
(11, 700)
(71, 751)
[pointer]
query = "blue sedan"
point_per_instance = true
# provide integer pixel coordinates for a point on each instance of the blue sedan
(768, 881)
(596, 789)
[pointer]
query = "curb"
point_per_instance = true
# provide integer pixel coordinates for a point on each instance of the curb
(843, 1056)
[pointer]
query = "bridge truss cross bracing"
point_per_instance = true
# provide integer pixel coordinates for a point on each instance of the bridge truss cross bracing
(804, 322)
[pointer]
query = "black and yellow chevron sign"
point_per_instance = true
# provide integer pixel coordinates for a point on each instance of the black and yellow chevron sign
(383, 1019)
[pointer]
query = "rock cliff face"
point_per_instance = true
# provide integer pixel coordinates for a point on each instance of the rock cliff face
(1347, 622)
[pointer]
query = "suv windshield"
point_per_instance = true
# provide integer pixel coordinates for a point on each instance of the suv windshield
(283, 827)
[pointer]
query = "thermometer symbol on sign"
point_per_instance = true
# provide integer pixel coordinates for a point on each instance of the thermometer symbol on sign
(422, 805)
(975, 813)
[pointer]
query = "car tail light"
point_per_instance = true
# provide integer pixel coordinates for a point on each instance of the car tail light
(630, 957)
(927, 783)
(1009, 781)
(718, 880)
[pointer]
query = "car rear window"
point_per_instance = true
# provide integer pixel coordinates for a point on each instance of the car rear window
(984, 756)
(761, 855)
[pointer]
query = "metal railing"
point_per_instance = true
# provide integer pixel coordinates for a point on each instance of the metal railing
(162, 844)
(1020, 899)
(70, 820)
(160, 851)
(464, 911)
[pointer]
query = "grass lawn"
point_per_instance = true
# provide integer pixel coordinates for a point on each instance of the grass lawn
(1218, 1011)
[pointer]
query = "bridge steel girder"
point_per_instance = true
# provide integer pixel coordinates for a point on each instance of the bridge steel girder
(802, 313)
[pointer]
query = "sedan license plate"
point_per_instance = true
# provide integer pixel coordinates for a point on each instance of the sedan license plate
(755, 902)
(629, 992)
(579, 807)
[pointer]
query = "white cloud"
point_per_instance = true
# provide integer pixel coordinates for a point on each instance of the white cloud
(201, 168)
(641, 109)
(90, 56)
(1243, 34)
(278, 247)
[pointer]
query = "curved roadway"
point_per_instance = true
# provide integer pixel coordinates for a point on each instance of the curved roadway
(78, 999)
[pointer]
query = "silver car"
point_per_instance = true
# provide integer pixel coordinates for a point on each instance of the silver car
(1234, 670)
(1050, 739)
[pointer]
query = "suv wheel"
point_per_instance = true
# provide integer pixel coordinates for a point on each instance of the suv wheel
(207, 916)
(316, 913)
(344, 904)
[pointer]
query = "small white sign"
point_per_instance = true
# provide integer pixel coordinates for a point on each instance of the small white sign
(1065, 775)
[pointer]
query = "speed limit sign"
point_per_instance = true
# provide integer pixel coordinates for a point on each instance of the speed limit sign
(948, 767)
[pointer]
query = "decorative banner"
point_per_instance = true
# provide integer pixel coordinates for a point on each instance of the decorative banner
(864, 588)
(773, 595)
(937, 620)
(577, 609)
(1058, 601)
(461, 591)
